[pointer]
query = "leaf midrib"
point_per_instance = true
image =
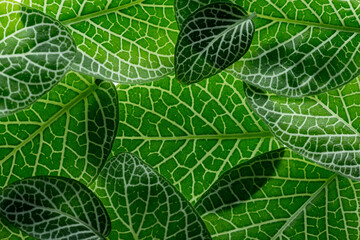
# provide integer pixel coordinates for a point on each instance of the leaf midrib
(298, 212)
(50, 121)
(235, 136)
(312, 24)
(99, 13)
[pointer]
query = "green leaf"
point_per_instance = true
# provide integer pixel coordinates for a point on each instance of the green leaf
(50, 207)
(299, 47)
(280, 195)
(68, 132)
(190, 135)
(127, 41)
(143, 205)
(212, 39)
(35, 53)
(322, 128)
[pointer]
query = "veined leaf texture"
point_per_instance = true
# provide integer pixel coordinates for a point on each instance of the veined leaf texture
(126, 41)
(299, 48)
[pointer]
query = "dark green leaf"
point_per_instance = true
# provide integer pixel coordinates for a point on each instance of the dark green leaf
(280, 195)
(35, 53)
(212, 39)
(54, 208)
(143, 205)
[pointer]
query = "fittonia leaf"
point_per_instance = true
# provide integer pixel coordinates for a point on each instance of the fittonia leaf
(143, 205)
(280, 195)
(127, 41)
(190, 135)
(54, 208)
(212, 39)
(323, 128)
(299, 47)
(35, 53)
(68, 132)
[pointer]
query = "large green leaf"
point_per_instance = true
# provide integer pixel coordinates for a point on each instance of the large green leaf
(35, 53)
(280, 195)
(212, 39)
(50, 207)
(143, 205)
(300, 47)
(127, 41)
(190, 135)
(322, 128)
(68, 132)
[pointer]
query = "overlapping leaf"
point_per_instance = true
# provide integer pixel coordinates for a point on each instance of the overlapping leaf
(322, 128)
(35, 53)
(212, 39)
(68, 132)
(300, 47)
(54, 208)
(143, 205)
(190, 135)
(127, 41)
(280, 195)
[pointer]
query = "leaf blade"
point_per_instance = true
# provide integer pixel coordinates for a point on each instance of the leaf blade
(212, 39)
(35, 53)
(126, 185)
(54, 207)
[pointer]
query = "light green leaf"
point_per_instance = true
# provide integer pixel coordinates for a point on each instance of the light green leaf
(300, 47)
(280, 195)
(127, 41)
(35, 53)
(68, 132)
(143, 205)
(190, 135)
(212, 39)
(322, 128)
(50, 207)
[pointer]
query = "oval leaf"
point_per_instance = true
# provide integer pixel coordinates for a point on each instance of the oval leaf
(212, 39)
(280, 195)
(68, 132)
(35, 53)
(123, 41)
(322, 128)
(143, 205)
(54, 208)
(299, 48)
(188, 141)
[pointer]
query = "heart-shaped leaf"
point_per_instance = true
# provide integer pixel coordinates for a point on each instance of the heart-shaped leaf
(212, 39)
(280, 195)
(68, 132)
(299, 47)
(127, 41)
(51, 207)
(190, 135)
(35, 53)
(143, 205)
(323, 128)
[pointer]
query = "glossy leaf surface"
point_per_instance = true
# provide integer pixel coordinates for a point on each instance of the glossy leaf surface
(190, 135)
(300, 47)
(124, 41)
(35, 53)
(50, 207)
(143, 205)
(210, 40)
(280, 195)
(323, 128)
